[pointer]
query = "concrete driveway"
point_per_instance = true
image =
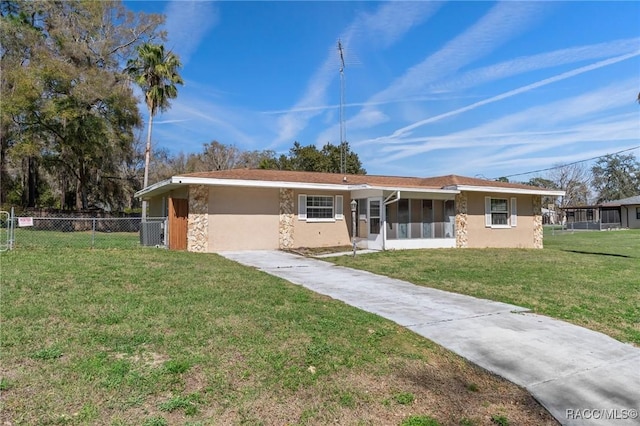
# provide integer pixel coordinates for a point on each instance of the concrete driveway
(582, 377)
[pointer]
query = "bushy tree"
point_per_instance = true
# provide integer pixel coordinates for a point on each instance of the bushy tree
(67, 106)
(616, 177)
(541, 182)
(217, 156)
(309, 158)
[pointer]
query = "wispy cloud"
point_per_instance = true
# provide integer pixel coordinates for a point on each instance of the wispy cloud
(540, 61)
(518, 138)
(187, 24)
(404, 130)
(503, 22)
(381, 29)
(169, 121)
(497, 27)
(198, 120)
(322, 108)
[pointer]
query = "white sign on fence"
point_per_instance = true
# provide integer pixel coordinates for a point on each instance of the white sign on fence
(25, 221)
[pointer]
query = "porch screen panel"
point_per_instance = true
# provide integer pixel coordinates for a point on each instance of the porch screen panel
(427, 218)
(403, 218)
(391, 211)
(449, 219)
(339, 207)
(363, 229)
(610, 216)
(416, 218)
(438, 218)
(362, 208)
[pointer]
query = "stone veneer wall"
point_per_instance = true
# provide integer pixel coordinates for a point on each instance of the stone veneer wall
(537, 221)
(461, 220)
(198, 220)
(285, 231)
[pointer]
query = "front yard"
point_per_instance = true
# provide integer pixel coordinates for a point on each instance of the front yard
(151, 337)
(588, 278)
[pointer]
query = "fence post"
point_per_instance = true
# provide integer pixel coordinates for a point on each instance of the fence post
(165, 234)
(93, 233)
(12, 228)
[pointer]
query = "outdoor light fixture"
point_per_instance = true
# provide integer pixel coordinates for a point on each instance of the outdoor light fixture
(354, 205)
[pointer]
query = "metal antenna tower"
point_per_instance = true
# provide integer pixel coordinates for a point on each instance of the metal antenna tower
(343, 131)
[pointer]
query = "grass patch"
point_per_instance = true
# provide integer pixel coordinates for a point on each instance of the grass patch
(420, 421)
(153, 337)
(404, 398)
(500, 420)
(187, 403)
(47, 353)
(587, 278)
(30, 238)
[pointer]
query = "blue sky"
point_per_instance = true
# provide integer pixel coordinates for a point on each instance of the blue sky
(431, 88)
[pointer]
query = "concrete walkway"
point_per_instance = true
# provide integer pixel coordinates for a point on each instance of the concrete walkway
(582, 377)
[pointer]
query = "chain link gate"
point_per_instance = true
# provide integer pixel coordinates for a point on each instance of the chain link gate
(6, 231)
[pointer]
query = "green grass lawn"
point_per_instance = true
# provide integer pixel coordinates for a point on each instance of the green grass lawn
(587, 278)
(29, 238)
(153, 337)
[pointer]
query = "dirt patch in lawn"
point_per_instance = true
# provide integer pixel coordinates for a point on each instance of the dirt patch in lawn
(449, 390)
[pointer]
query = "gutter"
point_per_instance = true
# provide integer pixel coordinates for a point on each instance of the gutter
(503, 190)
(178, 181)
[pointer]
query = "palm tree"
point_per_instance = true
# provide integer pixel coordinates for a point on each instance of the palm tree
(156, 72)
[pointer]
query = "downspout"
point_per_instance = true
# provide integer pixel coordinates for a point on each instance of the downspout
(383, 213)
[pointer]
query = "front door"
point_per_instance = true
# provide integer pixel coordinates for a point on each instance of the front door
(375, 220)
(178, 213)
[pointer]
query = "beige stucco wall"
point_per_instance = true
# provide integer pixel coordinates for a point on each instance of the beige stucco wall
(322, 234)
(157, 206)
(480, 236)
(243, 218)
(629, 217)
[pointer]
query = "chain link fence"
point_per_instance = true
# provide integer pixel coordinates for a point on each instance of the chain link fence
(26, 232)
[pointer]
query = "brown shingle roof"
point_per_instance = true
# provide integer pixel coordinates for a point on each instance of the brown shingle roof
(338, 179)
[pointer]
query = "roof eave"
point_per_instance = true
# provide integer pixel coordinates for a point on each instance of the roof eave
(179, 181)
(504, 190)
(156, 188)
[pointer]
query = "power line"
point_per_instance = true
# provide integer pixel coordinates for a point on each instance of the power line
(569, 164)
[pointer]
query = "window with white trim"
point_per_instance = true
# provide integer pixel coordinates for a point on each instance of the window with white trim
(500, 212)
(320, 207)
(638, 213)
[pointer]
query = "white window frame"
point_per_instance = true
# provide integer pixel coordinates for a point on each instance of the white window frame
(511, 212)
(337, 208)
